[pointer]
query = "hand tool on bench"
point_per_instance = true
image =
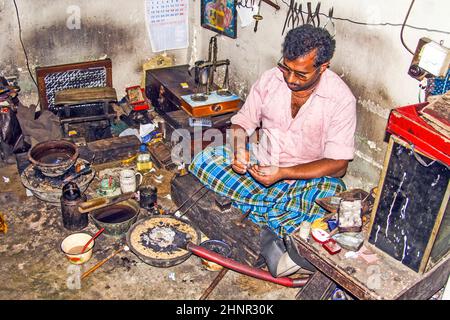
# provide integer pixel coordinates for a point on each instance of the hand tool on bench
(102, 202)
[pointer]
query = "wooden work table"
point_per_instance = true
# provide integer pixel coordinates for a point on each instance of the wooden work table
(385, 278)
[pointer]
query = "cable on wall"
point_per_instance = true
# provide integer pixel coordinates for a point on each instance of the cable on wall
(403, 27)
(23, 46)
(381, 24)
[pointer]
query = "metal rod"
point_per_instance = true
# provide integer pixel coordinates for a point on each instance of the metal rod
(270, 3)
(214, 284)
(193, 203)
(190, 198)
(98, 265)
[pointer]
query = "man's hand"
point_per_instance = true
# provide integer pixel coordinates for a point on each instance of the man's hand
(266, 175)
(240, 161)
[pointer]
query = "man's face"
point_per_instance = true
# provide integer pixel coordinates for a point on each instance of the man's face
(301, 74)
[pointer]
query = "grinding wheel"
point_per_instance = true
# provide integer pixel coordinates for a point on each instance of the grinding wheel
(160, 241)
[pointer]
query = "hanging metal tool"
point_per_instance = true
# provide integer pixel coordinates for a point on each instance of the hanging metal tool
(317, 16)
(313, 18)
(245, 4)
(300, 11)
(272, 4)
(289, 15)
(309, 18)
(257, 17)
(295, 17)
(329, 25)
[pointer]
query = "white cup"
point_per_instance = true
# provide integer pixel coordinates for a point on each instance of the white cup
(128, 180)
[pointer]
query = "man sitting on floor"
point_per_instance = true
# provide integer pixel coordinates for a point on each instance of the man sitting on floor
(306, 117)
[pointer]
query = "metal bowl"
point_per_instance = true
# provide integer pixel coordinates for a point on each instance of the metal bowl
(117, 229)
(216, 246)
(54, 157)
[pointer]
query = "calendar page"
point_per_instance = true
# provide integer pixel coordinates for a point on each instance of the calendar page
(167, 24)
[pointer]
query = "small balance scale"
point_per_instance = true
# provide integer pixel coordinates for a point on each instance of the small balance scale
(215, 103)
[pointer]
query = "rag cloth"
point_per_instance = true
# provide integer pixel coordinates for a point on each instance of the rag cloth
(281, 207)
(46, 127)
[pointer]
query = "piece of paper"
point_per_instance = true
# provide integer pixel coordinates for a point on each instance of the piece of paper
(246, 15)
(167, 24)
(145, 129)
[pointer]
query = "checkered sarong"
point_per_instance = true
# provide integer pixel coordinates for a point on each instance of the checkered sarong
(282, 206)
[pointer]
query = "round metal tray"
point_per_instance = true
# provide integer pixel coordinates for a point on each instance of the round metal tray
(163, 263)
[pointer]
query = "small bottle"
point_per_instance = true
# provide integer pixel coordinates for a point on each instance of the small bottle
(143, 161)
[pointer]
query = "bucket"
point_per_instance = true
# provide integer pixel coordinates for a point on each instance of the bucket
(216, 246)
(72, 246)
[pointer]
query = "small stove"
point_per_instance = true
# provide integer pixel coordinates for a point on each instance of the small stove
(49, 189)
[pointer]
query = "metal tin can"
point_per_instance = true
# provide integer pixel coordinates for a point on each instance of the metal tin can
(70, 199)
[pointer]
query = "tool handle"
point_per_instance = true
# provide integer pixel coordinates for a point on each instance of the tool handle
(98, 265)
(272, 4)
(256, 26)
(99, 203)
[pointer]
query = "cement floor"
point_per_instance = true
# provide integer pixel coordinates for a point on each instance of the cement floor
(33, 266)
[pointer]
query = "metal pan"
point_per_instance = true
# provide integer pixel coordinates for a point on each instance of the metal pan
(161, 240)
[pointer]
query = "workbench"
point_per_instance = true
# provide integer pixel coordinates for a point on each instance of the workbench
(385, 278)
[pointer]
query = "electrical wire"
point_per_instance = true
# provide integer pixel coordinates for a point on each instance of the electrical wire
(403, 27)
(23, 46)
(382, 24)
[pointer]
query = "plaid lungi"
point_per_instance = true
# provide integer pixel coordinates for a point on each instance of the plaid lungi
(281, 207)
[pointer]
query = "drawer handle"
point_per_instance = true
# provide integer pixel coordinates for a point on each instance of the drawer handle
(216, 107)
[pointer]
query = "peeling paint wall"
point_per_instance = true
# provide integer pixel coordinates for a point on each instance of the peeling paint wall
(113, 28)
(370, 59)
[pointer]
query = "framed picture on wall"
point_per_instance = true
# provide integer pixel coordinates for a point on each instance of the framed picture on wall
(219, 16)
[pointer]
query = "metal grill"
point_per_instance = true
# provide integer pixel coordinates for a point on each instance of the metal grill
(80, 78)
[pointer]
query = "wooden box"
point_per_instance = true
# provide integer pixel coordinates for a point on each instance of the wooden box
(166, 86)
(206, 108)
(411, 220)
(163, 87)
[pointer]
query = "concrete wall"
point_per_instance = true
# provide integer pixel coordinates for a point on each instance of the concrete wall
(371, 60)
(115, 28)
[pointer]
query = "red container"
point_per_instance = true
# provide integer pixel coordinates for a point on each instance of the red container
(331, 246)
(137, 99)
(406, 123)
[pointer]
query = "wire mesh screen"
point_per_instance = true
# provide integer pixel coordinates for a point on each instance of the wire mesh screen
(71, 79)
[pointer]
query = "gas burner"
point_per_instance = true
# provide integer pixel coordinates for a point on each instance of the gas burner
(199, 97)
(49, 189)
(224, 92)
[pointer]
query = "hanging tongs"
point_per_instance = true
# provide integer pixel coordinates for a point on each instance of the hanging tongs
(313, 18)
(289, 16)
(329, 25)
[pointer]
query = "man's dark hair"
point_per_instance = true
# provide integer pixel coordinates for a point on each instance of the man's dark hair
(302, 40)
